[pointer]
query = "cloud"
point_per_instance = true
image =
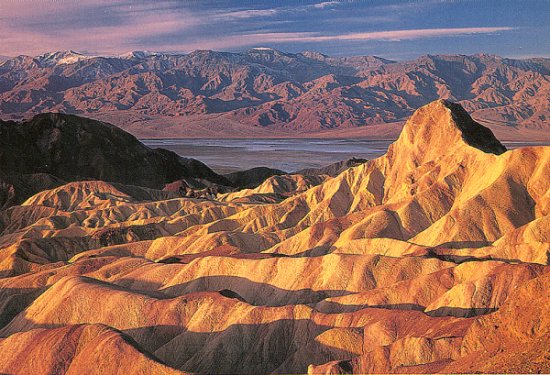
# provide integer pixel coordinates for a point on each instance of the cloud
(117, 26)
(95, 26)
(104, 36)
(397, 35)
(325, 4)
(236, 41)
(259, 13)
(408, 6)
(244, 14)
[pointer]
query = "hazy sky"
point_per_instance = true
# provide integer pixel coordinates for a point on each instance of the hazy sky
(393, 29)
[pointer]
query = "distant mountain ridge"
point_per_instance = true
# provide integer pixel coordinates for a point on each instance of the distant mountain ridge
(271, 90)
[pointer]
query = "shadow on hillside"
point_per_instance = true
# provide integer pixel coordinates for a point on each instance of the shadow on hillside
(461, 312)
(458, 259)
(15, 300)
(463, 244)
(330, 307)
(254, 293)
(284, 345)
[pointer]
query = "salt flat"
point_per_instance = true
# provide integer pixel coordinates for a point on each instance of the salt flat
(289, 155)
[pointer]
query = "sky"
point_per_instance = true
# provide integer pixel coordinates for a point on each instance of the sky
(398, 30)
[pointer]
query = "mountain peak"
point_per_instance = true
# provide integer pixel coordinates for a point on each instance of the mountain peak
(262, 49)
(62, 57)
(139, 54)
(440, 133)
(314, 55)
(267, 51)
(442, 128)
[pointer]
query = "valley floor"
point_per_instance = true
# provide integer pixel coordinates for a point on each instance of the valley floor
(287, 154)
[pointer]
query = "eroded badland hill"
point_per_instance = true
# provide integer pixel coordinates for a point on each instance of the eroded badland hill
(431, 258)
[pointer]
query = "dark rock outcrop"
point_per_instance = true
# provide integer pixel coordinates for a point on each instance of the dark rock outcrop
(75, 148)
(253, 177)
(333, 169)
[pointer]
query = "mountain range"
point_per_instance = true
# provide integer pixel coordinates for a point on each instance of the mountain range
(266, 92)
